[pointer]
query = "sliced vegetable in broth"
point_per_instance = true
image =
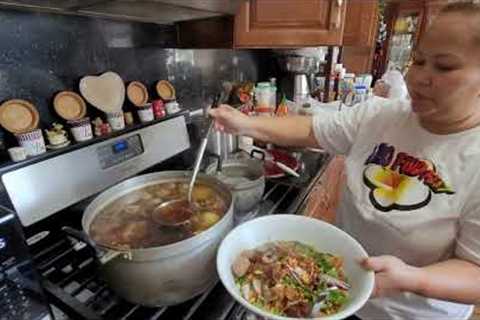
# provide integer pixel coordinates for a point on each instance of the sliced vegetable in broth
(127, 222)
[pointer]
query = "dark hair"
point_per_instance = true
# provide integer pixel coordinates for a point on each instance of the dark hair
(469, 7)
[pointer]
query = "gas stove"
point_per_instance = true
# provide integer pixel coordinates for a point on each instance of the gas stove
(67, 267)
(71, 279)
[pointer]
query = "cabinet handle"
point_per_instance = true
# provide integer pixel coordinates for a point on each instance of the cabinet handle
(336, 14)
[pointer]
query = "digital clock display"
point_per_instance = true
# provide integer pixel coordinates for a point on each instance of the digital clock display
(120, 146)
(119, 151)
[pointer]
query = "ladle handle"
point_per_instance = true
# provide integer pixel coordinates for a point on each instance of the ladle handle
(201, 150)
(198, 161)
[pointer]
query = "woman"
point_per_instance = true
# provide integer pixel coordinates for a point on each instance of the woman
(412, 196)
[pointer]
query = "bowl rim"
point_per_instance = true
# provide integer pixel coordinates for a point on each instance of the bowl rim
(363, 297)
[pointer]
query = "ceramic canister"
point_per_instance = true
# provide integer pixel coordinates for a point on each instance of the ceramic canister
(17, 154)
(81, 129)
(32, 142)
(145, 113)
(116, 120)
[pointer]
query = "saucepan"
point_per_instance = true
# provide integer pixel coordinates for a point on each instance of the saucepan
(161, 275)
(245, 178)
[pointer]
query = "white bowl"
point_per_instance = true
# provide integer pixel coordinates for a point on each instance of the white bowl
(322, 236)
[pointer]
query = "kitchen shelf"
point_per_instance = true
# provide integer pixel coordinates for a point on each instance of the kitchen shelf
(10, 165)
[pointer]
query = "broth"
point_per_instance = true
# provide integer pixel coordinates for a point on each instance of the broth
(127, 222)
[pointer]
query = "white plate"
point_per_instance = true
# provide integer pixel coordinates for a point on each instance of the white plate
(322, 236)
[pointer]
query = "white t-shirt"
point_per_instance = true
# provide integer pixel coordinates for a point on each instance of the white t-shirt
(409, 193)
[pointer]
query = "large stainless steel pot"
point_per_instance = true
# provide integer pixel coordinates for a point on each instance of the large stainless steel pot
(167, 274)
(245, 178)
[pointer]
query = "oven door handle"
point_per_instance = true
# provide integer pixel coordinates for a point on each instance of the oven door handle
(103, 256)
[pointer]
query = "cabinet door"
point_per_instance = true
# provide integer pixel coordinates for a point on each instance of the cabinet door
(323, 200)
(358, 59)
(289, 23)
(361, 23)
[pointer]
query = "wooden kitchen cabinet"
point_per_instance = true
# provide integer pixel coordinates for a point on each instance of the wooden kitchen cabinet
(361, 26)
(287, 23)
(325, 196)
(361, 23)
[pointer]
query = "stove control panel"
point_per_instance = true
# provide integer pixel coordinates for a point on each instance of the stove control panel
(38, 190)
(119, 151)
(21, 294)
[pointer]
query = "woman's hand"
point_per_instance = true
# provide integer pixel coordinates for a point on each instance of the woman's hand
(283, 131)
(381, 89)
(230, 120)
(392, 275)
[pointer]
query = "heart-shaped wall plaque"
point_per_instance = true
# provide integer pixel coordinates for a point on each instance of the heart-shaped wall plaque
(105, 92)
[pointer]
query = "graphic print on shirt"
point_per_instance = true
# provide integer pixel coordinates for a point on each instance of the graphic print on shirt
(399, 181)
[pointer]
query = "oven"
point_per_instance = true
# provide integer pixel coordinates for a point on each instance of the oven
(21, 293)
(51, 193)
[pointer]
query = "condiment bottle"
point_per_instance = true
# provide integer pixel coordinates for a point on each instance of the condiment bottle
(265, 99)
(282, 109)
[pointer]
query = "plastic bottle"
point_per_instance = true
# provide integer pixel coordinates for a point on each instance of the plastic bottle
(265, 98)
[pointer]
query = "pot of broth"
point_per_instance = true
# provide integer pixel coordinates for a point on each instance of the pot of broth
(150, 264)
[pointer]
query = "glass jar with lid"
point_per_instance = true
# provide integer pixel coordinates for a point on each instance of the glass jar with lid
(265, 98)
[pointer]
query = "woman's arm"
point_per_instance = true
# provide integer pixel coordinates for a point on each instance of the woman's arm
(454, 280)
(285, 131)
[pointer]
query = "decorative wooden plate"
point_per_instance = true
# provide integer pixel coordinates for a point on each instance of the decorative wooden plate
(18, 116)
(69, 105)
(105, 92)
(137, 93)
(165, 90)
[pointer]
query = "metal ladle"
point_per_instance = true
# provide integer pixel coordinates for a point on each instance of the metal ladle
(167, 213)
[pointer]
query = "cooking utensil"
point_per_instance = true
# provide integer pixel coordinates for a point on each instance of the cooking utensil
(163, 213)
(223, 144)
(246, 180)
(287, 169)
(163, 275)
(69, 105)
(277, 163)
(322, 236)
(301, 88)
(299, 64)
(18, 116)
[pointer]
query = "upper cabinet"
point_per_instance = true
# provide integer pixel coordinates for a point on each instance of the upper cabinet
(361, 23)
(289, 23)
(359, 37)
